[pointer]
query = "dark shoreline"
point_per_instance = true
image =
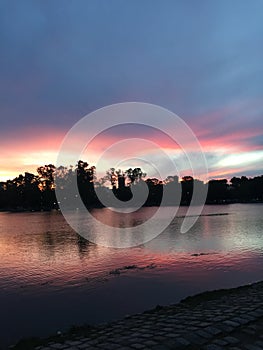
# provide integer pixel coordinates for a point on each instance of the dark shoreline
(82, 331)
(9, 210)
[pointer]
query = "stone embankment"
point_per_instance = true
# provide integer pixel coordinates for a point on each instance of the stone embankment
(225, 319)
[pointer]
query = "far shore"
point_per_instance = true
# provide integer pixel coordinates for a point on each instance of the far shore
(34, 210)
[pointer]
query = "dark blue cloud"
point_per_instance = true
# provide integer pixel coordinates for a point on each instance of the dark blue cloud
(61, 60)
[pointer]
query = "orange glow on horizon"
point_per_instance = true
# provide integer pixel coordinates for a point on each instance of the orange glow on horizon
(30, 148)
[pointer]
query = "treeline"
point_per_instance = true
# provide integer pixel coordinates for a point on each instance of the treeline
(37, 192)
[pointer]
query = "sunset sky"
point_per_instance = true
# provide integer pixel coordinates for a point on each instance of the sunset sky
(61, 60)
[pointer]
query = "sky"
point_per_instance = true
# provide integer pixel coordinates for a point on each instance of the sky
(200, 59)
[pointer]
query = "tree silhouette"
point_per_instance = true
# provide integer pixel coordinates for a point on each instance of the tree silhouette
(134, 175)
(37, 192)
(85, 178)
(217, 190)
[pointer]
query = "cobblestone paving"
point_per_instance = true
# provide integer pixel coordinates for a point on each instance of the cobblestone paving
(232, 320)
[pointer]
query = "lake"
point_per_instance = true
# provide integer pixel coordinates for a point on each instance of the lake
(51, 278)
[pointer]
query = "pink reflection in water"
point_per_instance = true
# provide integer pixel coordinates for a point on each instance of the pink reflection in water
(48, 267)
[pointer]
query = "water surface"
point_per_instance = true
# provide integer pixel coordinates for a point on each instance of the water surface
(50, 278)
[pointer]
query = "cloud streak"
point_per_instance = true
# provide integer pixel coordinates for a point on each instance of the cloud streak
(203, 62)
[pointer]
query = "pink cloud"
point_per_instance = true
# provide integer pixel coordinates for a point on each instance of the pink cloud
(26, 149)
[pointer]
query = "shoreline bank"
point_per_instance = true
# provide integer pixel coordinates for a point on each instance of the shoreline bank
(212, 203)
(212, 320)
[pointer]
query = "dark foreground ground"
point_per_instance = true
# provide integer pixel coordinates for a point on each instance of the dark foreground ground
(223, 319)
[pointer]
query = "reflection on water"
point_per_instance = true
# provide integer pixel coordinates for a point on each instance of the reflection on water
(50, 277)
